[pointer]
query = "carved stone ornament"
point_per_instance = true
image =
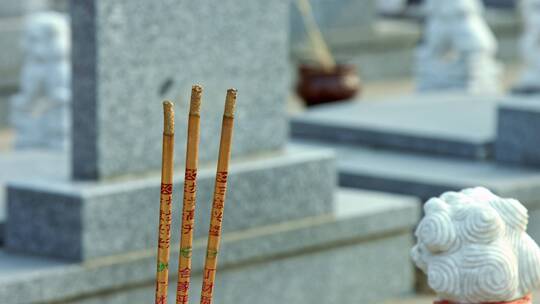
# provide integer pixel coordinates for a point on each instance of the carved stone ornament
(474, 248)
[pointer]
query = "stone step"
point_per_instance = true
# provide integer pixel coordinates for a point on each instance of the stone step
(517, 131)
(428, 176)
(85, 220)
(29, 165)
(330, 258)
(451, 124)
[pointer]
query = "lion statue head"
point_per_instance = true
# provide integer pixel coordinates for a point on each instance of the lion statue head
(474, 248)
(46, 37)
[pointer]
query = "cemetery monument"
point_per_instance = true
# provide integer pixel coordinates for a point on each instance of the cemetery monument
(90, 237)
(430, 142)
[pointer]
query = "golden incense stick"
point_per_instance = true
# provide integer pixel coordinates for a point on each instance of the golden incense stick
(190, 191)
(165, 210)
(319, 46)
(218, 203)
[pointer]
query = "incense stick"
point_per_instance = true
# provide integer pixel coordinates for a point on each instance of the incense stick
(218, 204)
(320, 48)
(190, 191)
(165, 210)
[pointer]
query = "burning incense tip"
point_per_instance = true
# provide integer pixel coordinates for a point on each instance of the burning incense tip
(168, 115)
(230, 103)
(196, 96)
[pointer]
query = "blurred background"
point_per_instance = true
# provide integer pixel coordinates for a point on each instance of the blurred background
(351, 113)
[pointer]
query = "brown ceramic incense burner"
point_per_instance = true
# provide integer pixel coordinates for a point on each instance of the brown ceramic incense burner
(317, 85)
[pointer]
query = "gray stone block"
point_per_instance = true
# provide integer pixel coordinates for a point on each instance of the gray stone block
(517, 137)
(343, 251)
(425, 176)
(445, 123)
(27, 165)
(347, 274)
(130, 55)
(87, 220)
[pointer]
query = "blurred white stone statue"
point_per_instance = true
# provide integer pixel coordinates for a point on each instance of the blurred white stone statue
(458, 50)
(474, 249)
(40, 111)
(530, 48)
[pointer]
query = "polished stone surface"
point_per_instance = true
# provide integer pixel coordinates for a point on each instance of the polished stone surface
(128, 58)
(344, 251)
(517, 132)
(453, 124)
(86, 220)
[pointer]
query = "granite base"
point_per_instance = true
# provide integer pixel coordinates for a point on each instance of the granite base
(334, 257)
(86, 220)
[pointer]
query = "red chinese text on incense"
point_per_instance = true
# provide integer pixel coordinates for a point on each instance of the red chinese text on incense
(214, 230)
(208, 273)
(161, 300)
(207, 287)
(189, 215)
(187, 228)
(191, 174)
(182, 299)
(206, 300)
(221, 177)
(164, 229)
(184, 273)
(166, 188)
(183, 287)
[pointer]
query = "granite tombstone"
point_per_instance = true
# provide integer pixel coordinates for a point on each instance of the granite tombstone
(281, 214)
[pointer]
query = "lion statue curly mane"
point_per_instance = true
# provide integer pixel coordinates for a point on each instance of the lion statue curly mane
(474, 248)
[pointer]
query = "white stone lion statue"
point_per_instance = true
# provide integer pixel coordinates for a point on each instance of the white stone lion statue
(529, 81)
(458, 49)
(40, 111)
(474, 249)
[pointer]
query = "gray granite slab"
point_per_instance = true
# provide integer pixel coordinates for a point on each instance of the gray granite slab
(85, 220)
(130, 55)
(27, 165)
(351, 273)
(444, 123)
(427, 176)
(518, 141)
(344, 251)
